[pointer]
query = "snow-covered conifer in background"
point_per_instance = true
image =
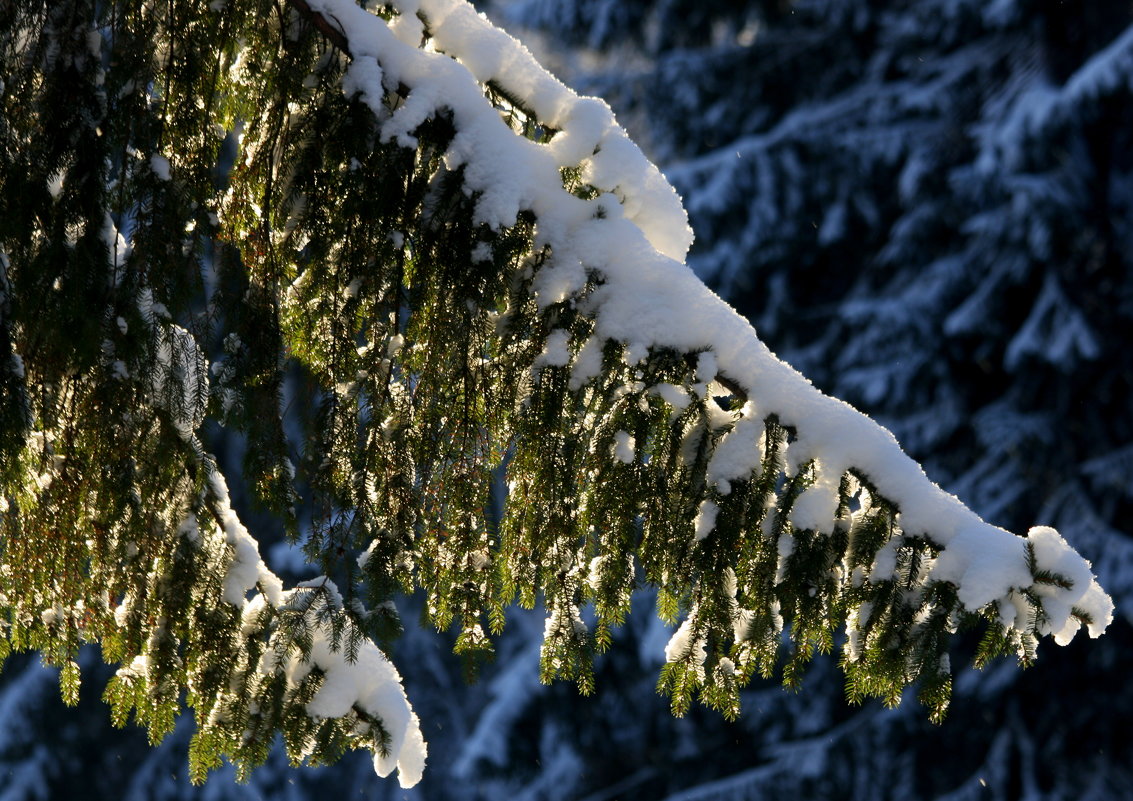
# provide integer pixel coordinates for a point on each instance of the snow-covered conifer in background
(461, 264)
(900, 195)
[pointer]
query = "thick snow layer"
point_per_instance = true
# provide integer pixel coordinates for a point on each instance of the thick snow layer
(372, 684)
(1053, 554)
(648, 297)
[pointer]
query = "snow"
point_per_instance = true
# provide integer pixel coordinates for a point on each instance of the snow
(513, 173)
(816, 507)
(137, 669)
(1053, 553)
(623, 448)
(885, 561)
(247, 569)
(705, 522)
(27, 776)
(785, 547)
(508, 696)
(706, 367)
(1042, 104)
(1055, 330)
(179, 382)
(482, 252)
(55, 185)
(350, 291)
(738, 453)
(682, 645)
(370, 683)
(556, 350)
(984, 568)
(122, 612)
(363, 77)
(855, 623)
(160, 166)
(366, 555)
(564, 620)
(587, 363)
(673, 395)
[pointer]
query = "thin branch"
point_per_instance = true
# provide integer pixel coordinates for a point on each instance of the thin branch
(333, 32)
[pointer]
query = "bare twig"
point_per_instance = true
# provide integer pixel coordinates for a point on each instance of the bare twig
(332, 31)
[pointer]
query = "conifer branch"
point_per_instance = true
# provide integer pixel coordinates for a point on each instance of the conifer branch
(476, 268)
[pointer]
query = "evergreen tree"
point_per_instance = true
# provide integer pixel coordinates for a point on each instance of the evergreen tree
(428, 262)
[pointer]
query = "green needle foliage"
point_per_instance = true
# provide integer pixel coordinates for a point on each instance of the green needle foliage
(200, 230)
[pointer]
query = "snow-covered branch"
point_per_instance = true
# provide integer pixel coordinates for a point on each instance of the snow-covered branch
(633, 236)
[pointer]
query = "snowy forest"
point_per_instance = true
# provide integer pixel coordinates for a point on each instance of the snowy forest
(926, 207)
